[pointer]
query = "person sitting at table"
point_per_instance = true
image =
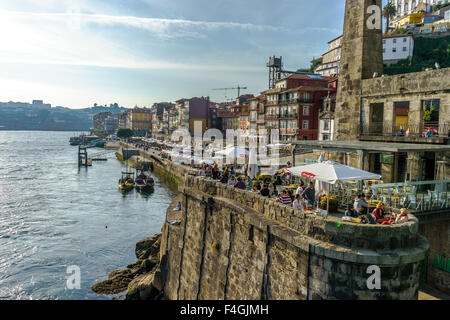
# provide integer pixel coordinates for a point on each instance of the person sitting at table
(297, 204)
(224, 178)
(400, 133)
(264, 191)
(284, 198)
(360, 202)
(350, 212)
(278, 181)
(379, 213)
(401, 217)
(240, 184)
(271, 189)
(429, 133)
(232, 181)
(248, 183)
(366, 216)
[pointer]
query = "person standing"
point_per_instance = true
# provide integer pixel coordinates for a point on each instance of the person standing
(300, 189)
(309, 195)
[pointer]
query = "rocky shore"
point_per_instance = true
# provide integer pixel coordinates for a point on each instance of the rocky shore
(137, 275)
(144, 279)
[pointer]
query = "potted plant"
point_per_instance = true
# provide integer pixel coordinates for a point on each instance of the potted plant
(333, 205)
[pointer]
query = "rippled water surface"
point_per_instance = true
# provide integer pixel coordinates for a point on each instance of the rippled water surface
(53, 215)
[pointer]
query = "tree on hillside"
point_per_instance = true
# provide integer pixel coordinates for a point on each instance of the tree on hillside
(388, 12)
(313, 66)
(125, 133)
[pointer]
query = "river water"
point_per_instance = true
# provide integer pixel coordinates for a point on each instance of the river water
(53, 215)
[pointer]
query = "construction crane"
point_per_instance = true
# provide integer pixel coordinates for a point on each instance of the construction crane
(239, 88)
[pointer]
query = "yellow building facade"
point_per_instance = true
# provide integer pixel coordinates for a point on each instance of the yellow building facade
(413, 18)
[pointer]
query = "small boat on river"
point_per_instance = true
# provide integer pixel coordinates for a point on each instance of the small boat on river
(144, 182)
(126, 182)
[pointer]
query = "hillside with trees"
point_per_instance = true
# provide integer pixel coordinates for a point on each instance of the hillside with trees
(427, 51)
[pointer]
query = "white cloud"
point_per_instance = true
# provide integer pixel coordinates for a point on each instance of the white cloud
(31, 38)
(163, 28)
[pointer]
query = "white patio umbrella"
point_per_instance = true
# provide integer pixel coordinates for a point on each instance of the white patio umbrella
(332, 172)
(320, 186)
(252, 164)
(235, 152)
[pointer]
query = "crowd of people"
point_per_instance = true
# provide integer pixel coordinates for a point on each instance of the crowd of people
(304, 197)
(379, 215)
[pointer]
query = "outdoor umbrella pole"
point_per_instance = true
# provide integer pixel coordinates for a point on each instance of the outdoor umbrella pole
(328, 200)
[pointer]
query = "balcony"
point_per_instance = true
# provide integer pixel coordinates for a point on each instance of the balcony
(289, 116)
(284, 131)
(292, 101)
(429, 132)
(271, 117)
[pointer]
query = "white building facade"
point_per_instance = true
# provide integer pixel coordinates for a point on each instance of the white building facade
(331, 59)
(405, 7)
(396, 48)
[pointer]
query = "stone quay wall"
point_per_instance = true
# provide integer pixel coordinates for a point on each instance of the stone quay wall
(232, 244)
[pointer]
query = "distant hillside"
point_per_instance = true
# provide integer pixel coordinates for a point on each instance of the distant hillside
(24, 116)
(427, 51)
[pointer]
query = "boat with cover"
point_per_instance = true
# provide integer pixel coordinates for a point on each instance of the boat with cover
(126, 182)
(144, 182)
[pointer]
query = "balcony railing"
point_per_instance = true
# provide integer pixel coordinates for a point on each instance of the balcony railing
(288, 101)
(289, 115)
(271, 117)
(424, 130)
(288, 131)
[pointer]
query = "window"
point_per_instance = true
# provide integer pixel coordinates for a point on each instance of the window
(305, 124)
(306, 110)
(394, 40)
(326, 137)
(404, 49)
(384, 41)
(384, 50)
(394, 49)
(404, 39)
(326, 125)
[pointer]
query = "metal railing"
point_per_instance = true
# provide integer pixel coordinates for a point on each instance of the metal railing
(424, 130)
(289, 115)
(298, 100)
(417, 196)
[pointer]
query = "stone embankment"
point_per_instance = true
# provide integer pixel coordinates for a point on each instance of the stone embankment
(232, 244)
(143, 279)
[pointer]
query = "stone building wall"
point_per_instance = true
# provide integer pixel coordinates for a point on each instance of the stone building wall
(233, 244)
(412, 87)
(438, 235)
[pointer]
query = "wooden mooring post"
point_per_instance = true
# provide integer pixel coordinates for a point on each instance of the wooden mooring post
(82, 157)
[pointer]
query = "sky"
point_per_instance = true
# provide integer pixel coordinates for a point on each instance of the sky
(138, 52)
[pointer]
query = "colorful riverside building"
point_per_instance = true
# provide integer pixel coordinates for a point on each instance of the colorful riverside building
(230, 119)
(139, 120)
(99, 123)
(293, 106)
